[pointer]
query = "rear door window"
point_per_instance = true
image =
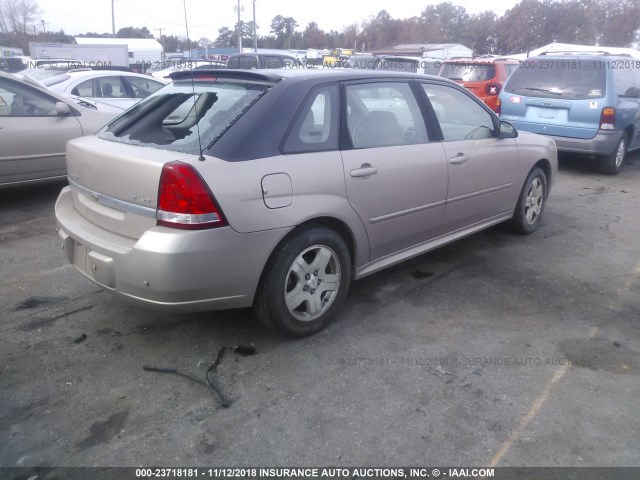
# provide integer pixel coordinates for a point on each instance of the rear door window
(383, 114)
(624, 83)
(272, 61)
(246, 62)
(142, 87)
(316, 126)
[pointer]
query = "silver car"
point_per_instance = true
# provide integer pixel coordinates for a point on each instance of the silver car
(35, 125)
(119, 89)
(274, 189)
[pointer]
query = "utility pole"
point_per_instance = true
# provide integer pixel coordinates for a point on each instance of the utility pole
(239, 28)
(161, 42)
(113, 21)
(255, 29)
(44, 31)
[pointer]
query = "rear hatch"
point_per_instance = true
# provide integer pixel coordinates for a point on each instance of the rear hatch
(556, 97)
(115, 177)
(115, 186)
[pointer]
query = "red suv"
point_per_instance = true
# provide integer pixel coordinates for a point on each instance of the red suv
(484, 77)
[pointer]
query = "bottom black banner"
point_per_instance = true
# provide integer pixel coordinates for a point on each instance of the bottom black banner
(352, 473)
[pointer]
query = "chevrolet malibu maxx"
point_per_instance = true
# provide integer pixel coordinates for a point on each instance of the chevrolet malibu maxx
(275, 189)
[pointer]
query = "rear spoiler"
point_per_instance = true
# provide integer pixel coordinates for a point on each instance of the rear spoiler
(224, 73)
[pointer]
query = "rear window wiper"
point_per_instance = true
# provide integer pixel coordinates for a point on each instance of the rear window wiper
(544, 90)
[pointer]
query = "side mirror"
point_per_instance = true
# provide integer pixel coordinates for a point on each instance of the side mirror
(507, 130)
(62, 109)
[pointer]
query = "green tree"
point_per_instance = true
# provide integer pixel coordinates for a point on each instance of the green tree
(445, 23)
(283, 28)
(313, 37)
(380, 31)
(171, 43)
(225, 37)
(133, 32)
(482, 33)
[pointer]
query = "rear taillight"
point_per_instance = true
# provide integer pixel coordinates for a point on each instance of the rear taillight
(498, 106)
(607, 118)
(492, 89)
(185, 201)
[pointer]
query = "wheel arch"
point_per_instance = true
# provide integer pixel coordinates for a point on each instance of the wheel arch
(630, 131)
(545, 166)
(337, 225)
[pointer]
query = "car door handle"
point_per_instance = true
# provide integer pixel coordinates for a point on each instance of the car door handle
(458, 159)
(364, 171)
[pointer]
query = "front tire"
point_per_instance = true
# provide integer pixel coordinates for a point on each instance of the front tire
(530, 207)
(611, 164)
(305, 282)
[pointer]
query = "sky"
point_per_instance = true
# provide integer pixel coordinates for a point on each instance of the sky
(205, 17)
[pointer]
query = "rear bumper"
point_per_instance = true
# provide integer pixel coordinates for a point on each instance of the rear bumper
(604, 143)
(168, 269)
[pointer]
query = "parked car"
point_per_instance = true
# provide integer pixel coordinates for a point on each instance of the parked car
(365, 62)
(484, 77)
(185, 64)
(398, 63)
(40, 73)
(588, 103)
(282, 211)
(119, 89)
(248, 61)
(12, 64)
(395, 63)
(35, 125)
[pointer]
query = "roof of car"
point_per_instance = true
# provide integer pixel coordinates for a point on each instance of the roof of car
(82, 73)
(262, 54)
(301, 74)
(581, 55)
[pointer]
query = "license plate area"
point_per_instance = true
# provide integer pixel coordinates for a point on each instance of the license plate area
(98, 267)
(548, 113)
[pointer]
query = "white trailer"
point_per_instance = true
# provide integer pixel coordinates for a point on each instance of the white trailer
(143, 52)
(97, 55)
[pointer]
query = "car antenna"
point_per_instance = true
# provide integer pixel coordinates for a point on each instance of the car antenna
(193, 88)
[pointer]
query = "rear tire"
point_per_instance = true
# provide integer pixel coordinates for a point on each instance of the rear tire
(304, 283)
(611, 164)
(530, 207)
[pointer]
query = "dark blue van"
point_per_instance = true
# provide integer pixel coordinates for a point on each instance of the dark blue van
(588, 103)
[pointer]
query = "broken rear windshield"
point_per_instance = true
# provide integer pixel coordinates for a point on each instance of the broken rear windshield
(184, 115)
(571, 79)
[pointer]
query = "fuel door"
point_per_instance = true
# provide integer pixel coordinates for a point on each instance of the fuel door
(277, 190)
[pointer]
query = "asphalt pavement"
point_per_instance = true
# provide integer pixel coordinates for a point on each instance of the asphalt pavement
(497, 350)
